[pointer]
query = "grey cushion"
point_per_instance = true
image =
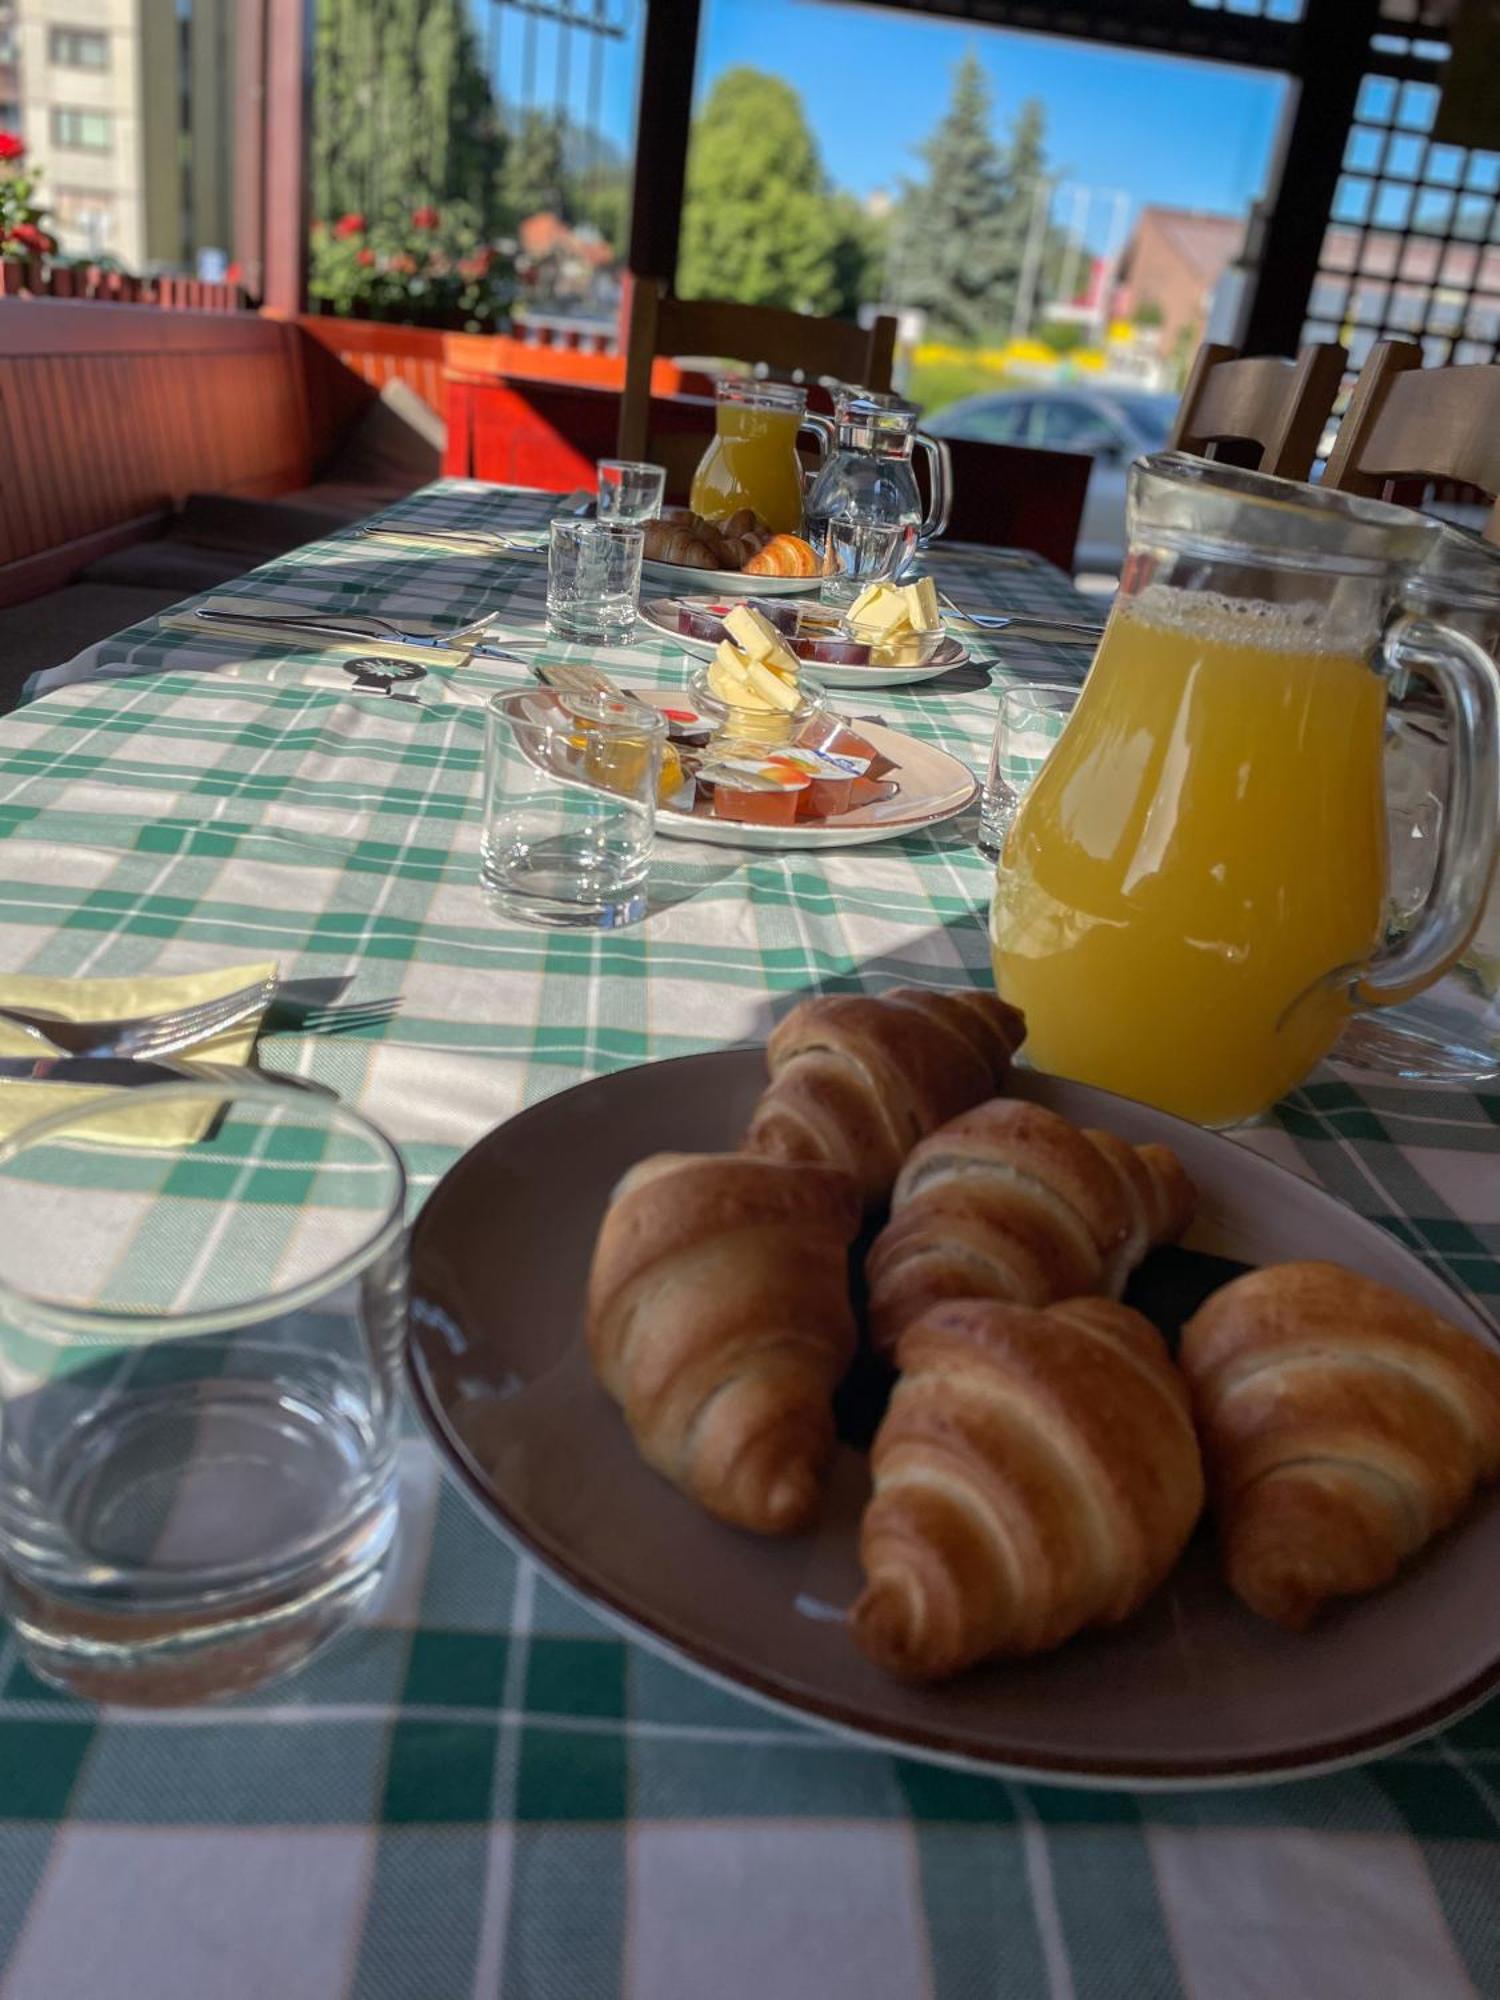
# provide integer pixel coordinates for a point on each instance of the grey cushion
(182, 567)
(48, 630)
(253, 528)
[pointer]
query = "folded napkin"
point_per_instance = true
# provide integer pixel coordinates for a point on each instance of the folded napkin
(442, 652)
(120, 999)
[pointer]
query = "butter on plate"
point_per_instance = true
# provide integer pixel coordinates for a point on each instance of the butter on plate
(900, 622)
(752, 668)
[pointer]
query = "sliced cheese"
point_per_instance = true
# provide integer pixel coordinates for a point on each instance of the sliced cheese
(865, 598)
(920, 599)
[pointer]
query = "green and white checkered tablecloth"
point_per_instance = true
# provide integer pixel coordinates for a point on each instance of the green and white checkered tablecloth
(487, 1792)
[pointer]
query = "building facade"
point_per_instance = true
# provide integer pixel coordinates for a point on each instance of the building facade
(126, 106)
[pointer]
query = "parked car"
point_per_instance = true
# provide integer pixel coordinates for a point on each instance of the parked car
(1112, 426)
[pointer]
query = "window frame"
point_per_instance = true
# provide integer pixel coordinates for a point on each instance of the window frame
(60, 35)
(60, 112)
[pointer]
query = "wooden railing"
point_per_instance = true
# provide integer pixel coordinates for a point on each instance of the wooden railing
(25, 278)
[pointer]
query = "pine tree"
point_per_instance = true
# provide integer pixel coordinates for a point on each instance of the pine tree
(403, 114)
(535, 177)
(959, 238)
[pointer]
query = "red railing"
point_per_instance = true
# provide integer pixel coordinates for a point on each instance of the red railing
(27, 278)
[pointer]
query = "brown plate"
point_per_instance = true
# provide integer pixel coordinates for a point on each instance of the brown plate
(1192, 1691)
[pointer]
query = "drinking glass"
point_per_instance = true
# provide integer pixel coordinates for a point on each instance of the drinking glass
(202, 1306)
(630, 490)
(569, 806)
(1029, 723)
(859, 551)
(593, 580)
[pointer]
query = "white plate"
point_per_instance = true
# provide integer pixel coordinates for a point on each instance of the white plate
(660, 613)
(679, 577)
(930, 786)
(1192, 1691)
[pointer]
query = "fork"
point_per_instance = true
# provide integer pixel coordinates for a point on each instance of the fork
(144, 1034)
(573, 677)
(357, 625)
(1023, 623)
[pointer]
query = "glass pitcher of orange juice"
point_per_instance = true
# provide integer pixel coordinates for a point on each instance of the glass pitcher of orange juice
(752, 459)
(1192, 899)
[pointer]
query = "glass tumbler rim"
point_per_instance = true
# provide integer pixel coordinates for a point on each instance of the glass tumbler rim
(615, 714)
(120, 1326)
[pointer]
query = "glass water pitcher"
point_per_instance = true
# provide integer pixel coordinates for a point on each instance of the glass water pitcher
(869, 476)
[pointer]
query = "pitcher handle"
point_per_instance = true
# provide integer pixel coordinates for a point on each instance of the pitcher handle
(940, 478)
(822, 429)
(1466, 678)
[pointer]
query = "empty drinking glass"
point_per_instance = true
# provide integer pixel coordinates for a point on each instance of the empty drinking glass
(569, 806)
(202, 1305)
(630, 490)
(593, 580)
(858, 551)
(1030, 721)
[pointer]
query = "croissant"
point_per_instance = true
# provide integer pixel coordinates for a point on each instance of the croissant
(1343, 1426)
(672, 542)
(855, 1081)
(1035, 1473)
(719, 1319)
(1010, 1201)
(784, 555)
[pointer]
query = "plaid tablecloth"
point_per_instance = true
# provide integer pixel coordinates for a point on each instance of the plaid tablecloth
(487, 1792)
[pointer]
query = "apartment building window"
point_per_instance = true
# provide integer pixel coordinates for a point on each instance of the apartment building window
(78, 48)
(82, 131)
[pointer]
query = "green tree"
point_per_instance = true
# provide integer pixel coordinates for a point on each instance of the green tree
(535, 175)
(960, 237)
(403, 114)
(760, 222)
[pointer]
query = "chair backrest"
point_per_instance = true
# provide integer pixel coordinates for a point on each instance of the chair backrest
(1015, 496)
(791, 343)
(1407, 422)
(1277, 407)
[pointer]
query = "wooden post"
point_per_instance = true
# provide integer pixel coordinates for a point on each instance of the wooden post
(1332, 54)
(288, 83)
(250, 143)
(663, 125)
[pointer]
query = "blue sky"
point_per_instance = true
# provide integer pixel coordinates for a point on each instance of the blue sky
(875, 82)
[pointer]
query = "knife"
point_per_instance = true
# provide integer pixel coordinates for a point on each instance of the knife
(125, 1073)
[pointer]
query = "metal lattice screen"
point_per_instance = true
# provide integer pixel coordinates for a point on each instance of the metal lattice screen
(1412, 247)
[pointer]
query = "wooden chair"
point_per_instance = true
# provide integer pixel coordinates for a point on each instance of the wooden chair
(1406, 423)
(1015, 496)
(1273, 407)
(790, 343)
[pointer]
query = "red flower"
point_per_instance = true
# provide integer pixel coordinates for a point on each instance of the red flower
(425, 218)
(349, 225)
(31, 238)
(404, 264)
(235, 274)
(477, 265)
(365, 258)
(12, 146)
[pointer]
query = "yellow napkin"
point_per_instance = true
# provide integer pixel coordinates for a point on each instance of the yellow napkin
(119, 999)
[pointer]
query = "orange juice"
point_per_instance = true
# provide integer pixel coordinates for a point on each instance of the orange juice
(752, 462)
(1202, 851)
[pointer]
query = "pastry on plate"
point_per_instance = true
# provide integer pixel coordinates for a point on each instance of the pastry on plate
(719, 1320)
(1035, 1473)
(856, 1080)
(1343, 1426)
(1010, 1201)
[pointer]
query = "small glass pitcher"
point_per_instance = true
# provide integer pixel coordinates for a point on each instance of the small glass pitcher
(1191, 901)
(869, 477)
(752, 459)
